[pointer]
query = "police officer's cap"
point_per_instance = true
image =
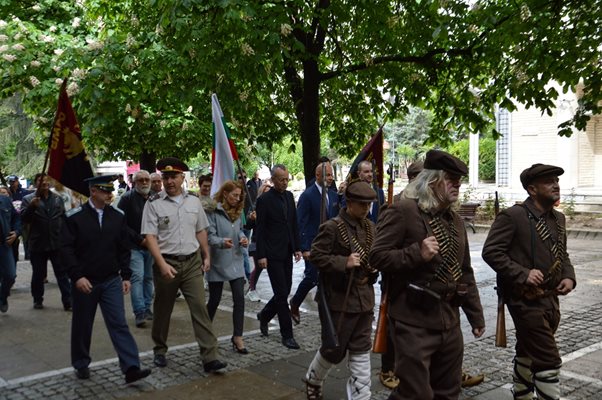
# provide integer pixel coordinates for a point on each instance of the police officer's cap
(438, 159)
(360, 192)
(171, 164)
(102, 182)
(12, 178)
(537, 171)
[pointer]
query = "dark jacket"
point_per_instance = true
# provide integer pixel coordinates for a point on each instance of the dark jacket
(308, 213)
(396, 251)
(93, 252)
(276, 226)
(513, 248)
(132, 204)
(45, 221)
(9, 219)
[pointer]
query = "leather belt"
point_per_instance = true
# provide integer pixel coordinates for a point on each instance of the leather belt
(178, 257)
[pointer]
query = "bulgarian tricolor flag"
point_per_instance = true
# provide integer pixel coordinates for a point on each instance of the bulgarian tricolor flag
(224, 152)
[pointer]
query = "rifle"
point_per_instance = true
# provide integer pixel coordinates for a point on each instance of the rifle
(500, 326)
(380, 335)
(331, 340)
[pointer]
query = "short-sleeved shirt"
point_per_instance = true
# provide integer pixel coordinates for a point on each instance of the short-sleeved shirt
(175, 224)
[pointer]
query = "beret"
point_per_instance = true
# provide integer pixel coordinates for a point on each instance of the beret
(360, 191)
(538, 170)
(171, 164)
(415, 168)
(438, 159)
(103, 182)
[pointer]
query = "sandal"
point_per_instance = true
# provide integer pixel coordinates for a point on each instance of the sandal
(313, 392)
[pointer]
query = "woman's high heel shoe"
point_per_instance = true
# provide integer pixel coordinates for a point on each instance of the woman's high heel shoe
(239, 350)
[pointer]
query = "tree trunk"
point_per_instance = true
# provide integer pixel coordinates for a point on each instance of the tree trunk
(148, 161)
(310, 125)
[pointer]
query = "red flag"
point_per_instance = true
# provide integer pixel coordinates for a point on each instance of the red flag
(69, 163)
(373, 150)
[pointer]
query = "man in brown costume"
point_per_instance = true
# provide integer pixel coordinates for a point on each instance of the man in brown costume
(340, 252)
(422, 244)
(526, 246)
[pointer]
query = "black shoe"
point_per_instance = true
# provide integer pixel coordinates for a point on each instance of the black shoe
(135, 373)
(263, 326)
(3, 306)
(38, 305)
(140, 320)
(83, 373)
(214, 366)
(67, 307)
(160, 360)
(291, 343)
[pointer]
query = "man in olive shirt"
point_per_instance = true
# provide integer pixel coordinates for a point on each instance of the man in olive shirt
(175, 226)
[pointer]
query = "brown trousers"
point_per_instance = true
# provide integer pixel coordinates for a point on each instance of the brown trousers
(354, 335)
(428, 362)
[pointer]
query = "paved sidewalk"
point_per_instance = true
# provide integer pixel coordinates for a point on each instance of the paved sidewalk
(34, 348)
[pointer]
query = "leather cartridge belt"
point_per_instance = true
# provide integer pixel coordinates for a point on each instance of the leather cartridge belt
(179, 257)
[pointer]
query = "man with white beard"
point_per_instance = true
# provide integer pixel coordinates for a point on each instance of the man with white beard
(141, 263)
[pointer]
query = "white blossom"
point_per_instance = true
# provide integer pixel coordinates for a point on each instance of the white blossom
(35, 63)
(58, 52)
(56, 68)
(36, 7)
(128, 108)
(3, 48)
(17, 36)
(18, 47)
(34, 81)
(243, 96)
(247, 50)
(9, 57)
(163, 123)
(285, 29)
(3, 24)
(159, 30)
(189, 109)
(145, 116)
(94, 45)
(76, 22)
(130, 40)
(3, 38)
(52, 28)
(58, 81)
(47, 38)
(78, 73)
(185, 125)
(525, 13)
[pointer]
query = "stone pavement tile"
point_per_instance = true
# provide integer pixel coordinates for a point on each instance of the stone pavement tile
(589, 365)
(235, 385)
(500, 393)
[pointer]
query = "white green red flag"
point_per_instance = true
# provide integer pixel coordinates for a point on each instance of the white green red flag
(224, 151)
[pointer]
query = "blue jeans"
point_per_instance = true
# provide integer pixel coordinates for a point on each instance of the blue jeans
(141, 292)
(8, 271)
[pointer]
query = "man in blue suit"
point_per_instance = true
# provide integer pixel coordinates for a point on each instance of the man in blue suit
(308, 216)
(365, 173)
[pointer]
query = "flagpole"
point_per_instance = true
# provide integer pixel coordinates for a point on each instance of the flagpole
(245, 188)
(56, 114)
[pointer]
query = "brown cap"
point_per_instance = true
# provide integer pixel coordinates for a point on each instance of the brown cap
(415, 168)
(360, 192)
(438, 159)
(537, 171)
(171, 164)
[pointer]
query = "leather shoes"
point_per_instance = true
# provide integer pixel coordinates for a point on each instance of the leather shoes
(263, 326)
(214, 366)
(295, 315)
(134, 374)
(160, 360)
(83, 373)
(291, 343)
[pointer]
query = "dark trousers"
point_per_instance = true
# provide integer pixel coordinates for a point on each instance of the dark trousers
(281, 278)
(238, 298)
(354, 332)
(109, 295)
(39, 266)
(428, 362)
(535, 329)
(309, 281)
(8, 271)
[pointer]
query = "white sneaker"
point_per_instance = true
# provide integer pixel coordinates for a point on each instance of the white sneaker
(252, 295)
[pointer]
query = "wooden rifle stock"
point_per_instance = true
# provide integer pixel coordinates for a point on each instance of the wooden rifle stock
(500, 326)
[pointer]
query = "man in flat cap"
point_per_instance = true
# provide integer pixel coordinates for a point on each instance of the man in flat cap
(340, 251)
(175, 227)
(96, 253)
(526, 247)
(422, 245)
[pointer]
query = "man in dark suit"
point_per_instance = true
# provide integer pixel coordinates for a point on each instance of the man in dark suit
(277, 241)
(366, 174)
(308, 217)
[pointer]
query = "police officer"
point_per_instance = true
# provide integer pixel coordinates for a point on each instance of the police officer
(526, 246)
(96, 253)
(340, 252)
(422, 243)
(175, 226)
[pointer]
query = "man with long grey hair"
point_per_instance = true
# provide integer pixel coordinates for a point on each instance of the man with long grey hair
(421, 244)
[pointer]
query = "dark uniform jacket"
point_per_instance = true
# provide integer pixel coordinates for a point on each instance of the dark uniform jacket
(513, 247)
(276, 226)
(90, 251)
(329, 253)
(401, 229)
(45, 221)
(9, 219)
